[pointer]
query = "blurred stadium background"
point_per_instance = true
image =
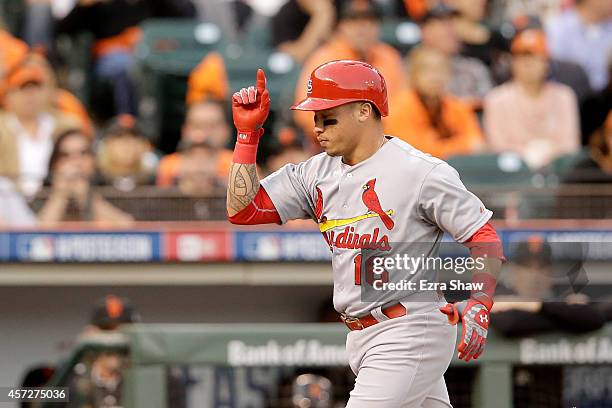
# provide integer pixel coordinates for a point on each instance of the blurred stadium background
(121, 279)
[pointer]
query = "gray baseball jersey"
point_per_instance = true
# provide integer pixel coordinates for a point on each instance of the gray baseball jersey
(397, 195)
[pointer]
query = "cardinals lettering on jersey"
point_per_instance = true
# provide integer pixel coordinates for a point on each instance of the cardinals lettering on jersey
(348, 238)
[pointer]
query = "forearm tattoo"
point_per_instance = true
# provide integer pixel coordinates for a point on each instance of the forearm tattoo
(243, 186)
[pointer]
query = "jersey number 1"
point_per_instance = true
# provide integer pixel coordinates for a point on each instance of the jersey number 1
(369, 272)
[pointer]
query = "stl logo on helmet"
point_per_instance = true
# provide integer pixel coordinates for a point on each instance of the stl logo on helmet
(309, 87)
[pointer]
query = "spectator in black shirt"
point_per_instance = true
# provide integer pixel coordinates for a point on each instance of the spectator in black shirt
(530, 307)
(594, 169)
(479, 41)
(595, 109)
(108, 18)
(597, 167)
(114, 25)
(300, 26)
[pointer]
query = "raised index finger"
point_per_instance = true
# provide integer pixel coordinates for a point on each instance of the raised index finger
(261, 81)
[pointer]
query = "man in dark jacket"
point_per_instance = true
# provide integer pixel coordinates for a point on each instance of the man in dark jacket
(531, 305)
(114, 26)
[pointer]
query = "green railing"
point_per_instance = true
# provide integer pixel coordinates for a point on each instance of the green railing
(152, 347)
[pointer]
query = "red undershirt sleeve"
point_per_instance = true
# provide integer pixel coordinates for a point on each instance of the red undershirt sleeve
(259, 211)
(485, 243)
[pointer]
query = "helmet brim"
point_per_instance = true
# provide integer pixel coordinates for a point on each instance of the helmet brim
(318, 104)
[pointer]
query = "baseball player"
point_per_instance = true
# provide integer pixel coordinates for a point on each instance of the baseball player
(368, 190)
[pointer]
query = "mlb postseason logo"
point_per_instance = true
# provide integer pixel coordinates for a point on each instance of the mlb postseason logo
(86, 247)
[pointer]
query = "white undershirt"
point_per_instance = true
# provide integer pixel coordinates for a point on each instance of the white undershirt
(33, 152)
(14, 212)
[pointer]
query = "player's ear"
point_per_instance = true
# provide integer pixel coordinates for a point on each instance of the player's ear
(365, 111)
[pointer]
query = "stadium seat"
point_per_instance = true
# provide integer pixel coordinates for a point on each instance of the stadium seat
(401, 34)
(506, 169)
(13, 12)
(168, 53)
(162, 90)
(76, 52)
(167, 37)
(562, 165)
(280, 70)
(258, 34)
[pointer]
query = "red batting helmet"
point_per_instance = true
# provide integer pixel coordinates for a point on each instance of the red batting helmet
(340, 82)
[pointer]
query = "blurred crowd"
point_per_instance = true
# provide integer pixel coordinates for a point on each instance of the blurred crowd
(531, 78)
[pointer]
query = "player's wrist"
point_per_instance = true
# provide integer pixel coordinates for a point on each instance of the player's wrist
(247, 141)
(483, 299)
(249, 136)
(485, 285)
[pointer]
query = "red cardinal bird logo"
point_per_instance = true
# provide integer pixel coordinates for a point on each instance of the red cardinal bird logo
(371, 201)
(319, 207)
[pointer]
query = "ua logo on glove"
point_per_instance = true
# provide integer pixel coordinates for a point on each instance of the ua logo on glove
(484, 319)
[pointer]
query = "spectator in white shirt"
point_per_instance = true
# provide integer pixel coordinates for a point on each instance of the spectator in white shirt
(27, 128)
(584, 35)
(14, 211)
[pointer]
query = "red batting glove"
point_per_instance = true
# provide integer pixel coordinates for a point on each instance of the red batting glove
(475, 318)
(250, 109)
